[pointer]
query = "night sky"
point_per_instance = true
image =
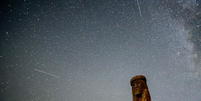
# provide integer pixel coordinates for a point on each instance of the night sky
(88, 50)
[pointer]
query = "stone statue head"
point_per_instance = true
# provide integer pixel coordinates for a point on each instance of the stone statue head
(139, 87)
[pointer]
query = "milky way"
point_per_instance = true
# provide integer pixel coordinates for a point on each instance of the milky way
(89, 50)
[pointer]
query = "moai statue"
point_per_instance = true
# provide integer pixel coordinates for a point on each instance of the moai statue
(140, 89)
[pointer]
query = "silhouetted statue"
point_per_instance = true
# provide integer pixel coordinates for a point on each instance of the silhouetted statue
(139, 88)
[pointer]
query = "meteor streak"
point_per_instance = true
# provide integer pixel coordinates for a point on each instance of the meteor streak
(139, 8)
(46, 73)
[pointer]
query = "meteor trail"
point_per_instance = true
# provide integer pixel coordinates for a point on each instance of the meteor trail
(46, 73)
(139, 8)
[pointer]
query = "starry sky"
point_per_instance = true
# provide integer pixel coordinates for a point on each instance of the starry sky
(88, 50)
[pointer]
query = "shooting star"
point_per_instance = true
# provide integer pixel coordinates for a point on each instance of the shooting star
(139, 8)
(46, 73)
